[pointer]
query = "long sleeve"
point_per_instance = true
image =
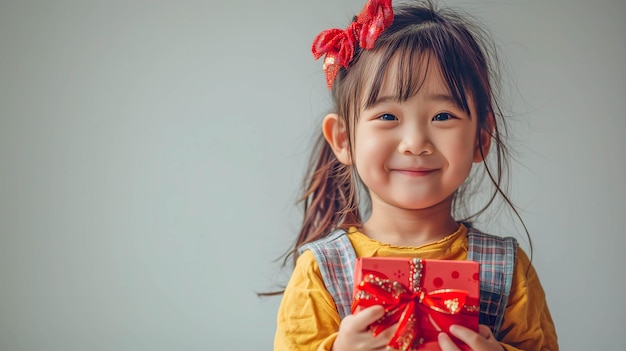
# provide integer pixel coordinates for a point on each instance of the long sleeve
(307, 316)
(527, 324)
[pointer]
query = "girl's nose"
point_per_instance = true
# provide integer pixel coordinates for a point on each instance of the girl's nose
(415, 141)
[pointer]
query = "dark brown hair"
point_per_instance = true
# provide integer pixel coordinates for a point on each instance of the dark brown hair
(467, 57)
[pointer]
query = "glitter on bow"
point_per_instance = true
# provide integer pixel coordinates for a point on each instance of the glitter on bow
(402, 305)
(339, 45)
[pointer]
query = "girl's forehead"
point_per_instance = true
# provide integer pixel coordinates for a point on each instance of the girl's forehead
(404, 76)
(424, 74)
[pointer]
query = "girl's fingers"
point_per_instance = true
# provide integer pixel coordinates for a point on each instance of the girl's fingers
(466, 335)
(445, 343)
(483, 340)
(485, 332)
(388, 333)
(362, 319)
(381, 340)
(461, 332)
(385, 336)
(369, 316)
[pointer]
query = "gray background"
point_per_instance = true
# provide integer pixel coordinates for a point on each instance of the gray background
(150, 154)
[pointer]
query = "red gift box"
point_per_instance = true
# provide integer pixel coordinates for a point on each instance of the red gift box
(425, 297)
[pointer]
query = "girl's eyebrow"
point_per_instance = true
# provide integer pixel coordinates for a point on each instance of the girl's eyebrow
(443, 98)
(382, 99)
(437, 97)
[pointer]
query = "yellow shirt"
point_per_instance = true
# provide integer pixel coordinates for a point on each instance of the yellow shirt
(308, 318)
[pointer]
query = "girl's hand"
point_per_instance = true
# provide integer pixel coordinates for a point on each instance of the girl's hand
(481, 341)
(354, 335)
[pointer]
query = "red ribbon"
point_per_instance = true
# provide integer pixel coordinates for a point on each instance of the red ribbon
(441, 307)
(339, 44)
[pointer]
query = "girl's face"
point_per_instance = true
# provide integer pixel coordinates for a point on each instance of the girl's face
(415, 154)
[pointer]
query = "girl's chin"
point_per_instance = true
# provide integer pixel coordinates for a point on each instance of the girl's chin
(412, 205)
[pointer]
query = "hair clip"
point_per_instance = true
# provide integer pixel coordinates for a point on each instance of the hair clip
(339, 45)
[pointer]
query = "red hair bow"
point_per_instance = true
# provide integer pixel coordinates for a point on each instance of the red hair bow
(339, 45)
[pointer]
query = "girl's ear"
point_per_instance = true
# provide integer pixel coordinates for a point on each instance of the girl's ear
(483, 142)
(336, 135)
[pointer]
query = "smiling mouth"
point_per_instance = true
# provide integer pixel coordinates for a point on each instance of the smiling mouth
(416, 172)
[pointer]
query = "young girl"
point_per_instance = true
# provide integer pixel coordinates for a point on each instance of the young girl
(414, 110)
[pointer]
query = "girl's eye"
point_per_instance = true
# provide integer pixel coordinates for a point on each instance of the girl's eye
(387, 117)
(444, 116)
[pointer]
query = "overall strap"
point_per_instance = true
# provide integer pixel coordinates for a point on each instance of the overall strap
(335, 257)
(496, 256)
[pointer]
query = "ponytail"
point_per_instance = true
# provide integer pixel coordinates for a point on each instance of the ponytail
(329, 196)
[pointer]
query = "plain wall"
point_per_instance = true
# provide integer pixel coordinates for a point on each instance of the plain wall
(151, 153)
